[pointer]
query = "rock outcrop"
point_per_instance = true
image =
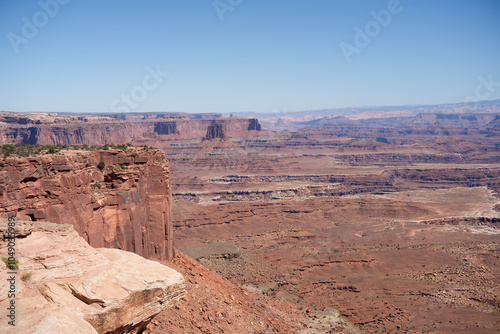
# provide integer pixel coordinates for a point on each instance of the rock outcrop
(63, 285)
(113, 198)
(216, 130)
(254, 125)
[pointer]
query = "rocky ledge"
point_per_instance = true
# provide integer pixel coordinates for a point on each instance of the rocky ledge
(62, 285)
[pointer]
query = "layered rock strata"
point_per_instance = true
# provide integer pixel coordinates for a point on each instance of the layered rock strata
(51, 129)
(113, 198)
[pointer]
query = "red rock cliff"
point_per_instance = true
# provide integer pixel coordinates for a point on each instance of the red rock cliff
(125, 205)
(48, 129)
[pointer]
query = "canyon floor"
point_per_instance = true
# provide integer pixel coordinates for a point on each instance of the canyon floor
(399, 238)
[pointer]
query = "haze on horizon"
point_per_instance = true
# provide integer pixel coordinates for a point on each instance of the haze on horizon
(238, 56)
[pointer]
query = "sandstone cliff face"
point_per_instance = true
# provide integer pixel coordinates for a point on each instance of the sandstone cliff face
(126, 205)
(76, 130)
(72, 134)
(166, 128)
(70, 287)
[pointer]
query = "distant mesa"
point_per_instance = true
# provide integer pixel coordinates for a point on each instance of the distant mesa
(254, 125)
(99, 129)
(219, 129)
(216, 138)
(216, 130)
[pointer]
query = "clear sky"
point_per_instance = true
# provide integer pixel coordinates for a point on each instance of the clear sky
(245, 55)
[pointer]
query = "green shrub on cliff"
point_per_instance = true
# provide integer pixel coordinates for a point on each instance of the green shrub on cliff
(52, 150)
(95, 186)
(147, 148)
(26, 276)
(26, 150)
(8, 149)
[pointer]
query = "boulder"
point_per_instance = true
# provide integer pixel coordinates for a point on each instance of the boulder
(63, 285)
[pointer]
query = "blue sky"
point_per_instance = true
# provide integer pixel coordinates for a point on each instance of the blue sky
(242, 55)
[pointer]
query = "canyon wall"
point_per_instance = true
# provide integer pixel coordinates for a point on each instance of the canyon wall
(90, 134)
(114, 198)
(49, 129)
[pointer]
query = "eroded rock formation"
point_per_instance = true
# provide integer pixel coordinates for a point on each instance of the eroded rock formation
(124, 202)
(216, 130)
(254, 125)
(65, 286)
